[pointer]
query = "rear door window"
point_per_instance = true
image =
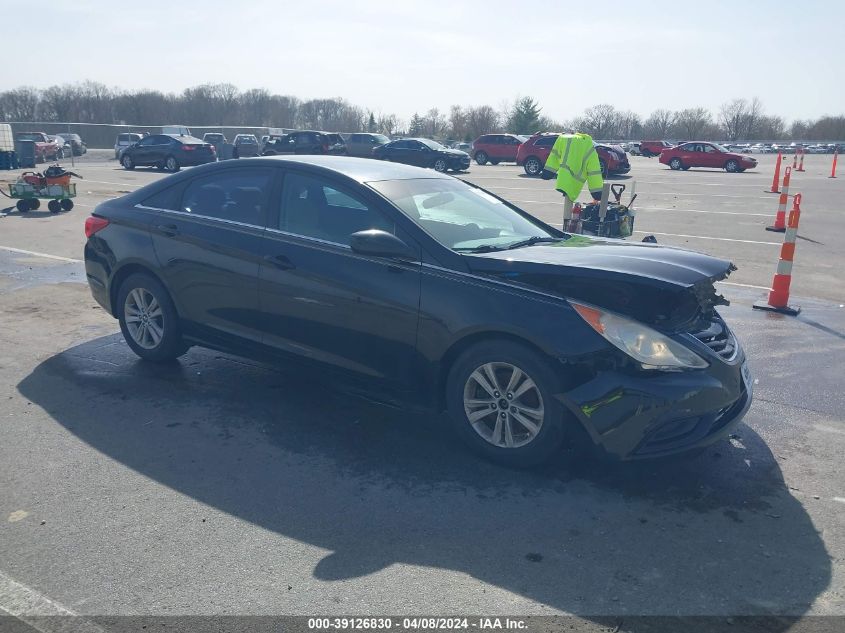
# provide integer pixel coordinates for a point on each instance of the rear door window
(238, 195)
(546, 141)
(315, 207)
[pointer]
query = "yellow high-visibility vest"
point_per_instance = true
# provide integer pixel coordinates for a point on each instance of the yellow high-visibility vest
(575, 161)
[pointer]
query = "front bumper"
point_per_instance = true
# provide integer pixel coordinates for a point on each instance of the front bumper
(641, 415)
(459, 163)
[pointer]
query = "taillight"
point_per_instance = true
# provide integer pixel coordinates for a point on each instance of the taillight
(93, 225)
(189, 148)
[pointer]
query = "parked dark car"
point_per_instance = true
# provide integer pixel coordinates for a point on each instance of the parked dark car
(363, 144)
(534, 152)
(423, 152)
(306, 142)
(496, 148)
(245, 146)
(166, 151)
(77, 145)
(699, 154)
(421, 289)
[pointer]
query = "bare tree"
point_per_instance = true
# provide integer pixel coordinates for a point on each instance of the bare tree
(482, 120)
(658, 124)
(600, 121)
(20, 104)
(732, 117)
(692, 122)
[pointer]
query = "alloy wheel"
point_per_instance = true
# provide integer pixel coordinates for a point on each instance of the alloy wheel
(144, 318)
(532, 166)
(503, 405)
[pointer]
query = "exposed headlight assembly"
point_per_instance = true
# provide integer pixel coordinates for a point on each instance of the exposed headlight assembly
(645, 345)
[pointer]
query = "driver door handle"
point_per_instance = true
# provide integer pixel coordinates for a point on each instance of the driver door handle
(167, 229)
(279, 261)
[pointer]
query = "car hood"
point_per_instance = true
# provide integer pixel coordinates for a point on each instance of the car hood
(661, 285)
(453, 152)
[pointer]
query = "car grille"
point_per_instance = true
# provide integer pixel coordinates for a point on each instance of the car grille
(718, 337)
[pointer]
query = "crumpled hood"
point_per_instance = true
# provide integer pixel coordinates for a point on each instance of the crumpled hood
(656, 284)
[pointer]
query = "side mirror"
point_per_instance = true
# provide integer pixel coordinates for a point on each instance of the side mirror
(381, 244)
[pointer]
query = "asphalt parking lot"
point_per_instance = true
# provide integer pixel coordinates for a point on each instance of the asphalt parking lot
(219, 485)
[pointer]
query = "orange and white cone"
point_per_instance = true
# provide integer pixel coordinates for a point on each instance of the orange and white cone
(801, 163)
(780, 218)
(778, 300)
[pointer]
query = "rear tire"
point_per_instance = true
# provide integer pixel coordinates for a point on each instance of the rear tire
(148, 319)
(481, 157)
(676, 164)
(603, 164)
(171, 164)
(532, 166)
(34, 204)
(54, 206)
(522, 430)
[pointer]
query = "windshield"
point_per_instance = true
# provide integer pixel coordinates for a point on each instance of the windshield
(457, 215)
(381, 138)
(430, 143)
(29, 137)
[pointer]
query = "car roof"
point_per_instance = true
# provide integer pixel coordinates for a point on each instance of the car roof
(358, 169)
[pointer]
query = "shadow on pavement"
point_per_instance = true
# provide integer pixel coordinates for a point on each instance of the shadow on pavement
(718, 534)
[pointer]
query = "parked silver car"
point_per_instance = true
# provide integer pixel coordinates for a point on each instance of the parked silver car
(364, 144)
(125, 140)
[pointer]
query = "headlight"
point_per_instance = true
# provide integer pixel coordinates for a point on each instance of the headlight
(640, 342)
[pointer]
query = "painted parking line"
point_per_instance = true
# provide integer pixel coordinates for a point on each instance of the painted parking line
(20, 251)
(40, 612)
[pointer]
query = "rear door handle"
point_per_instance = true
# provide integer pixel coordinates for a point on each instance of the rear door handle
(279, 261)
(167, 229)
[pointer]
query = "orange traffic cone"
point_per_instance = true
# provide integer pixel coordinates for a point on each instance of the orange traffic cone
(833, 166)
(780, 218)
(801, 164)
(776, 179)
(778, 300)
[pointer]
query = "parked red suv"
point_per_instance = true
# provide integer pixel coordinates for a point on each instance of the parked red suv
(653, 148)
(699, 154)
(532, 155)
(496, 148)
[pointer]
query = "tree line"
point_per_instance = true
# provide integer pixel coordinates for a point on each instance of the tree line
(222, 104)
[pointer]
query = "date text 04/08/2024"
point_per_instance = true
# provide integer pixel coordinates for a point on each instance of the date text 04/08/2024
(414, 623)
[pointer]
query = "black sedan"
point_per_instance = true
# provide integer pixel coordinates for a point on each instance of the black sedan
(424, 290)
(423, 152)
(166, 151)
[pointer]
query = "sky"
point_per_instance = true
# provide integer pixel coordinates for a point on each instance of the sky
(404, 56)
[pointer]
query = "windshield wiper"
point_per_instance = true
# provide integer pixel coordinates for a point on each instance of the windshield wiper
(483, 248)
(533, 240)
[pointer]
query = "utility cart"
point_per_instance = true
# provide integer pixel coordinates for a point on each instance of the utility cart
(54, 184)
(29, 196)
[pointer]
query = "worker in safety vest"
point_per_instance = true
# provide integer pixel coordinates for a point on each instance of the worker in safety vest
(574, 160)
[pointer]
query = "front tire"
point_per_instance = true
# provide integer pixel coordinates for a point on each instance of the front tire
(148, 319)
(533, 166)
(500, 399)
(481, 157)
(676, 164)
(732, 166)
(127, 162)
(603, 165)
(440, 165)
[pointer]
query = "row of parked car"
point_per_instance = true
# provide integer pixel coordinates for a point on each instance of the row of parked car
(654, 148)
(53, 146)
